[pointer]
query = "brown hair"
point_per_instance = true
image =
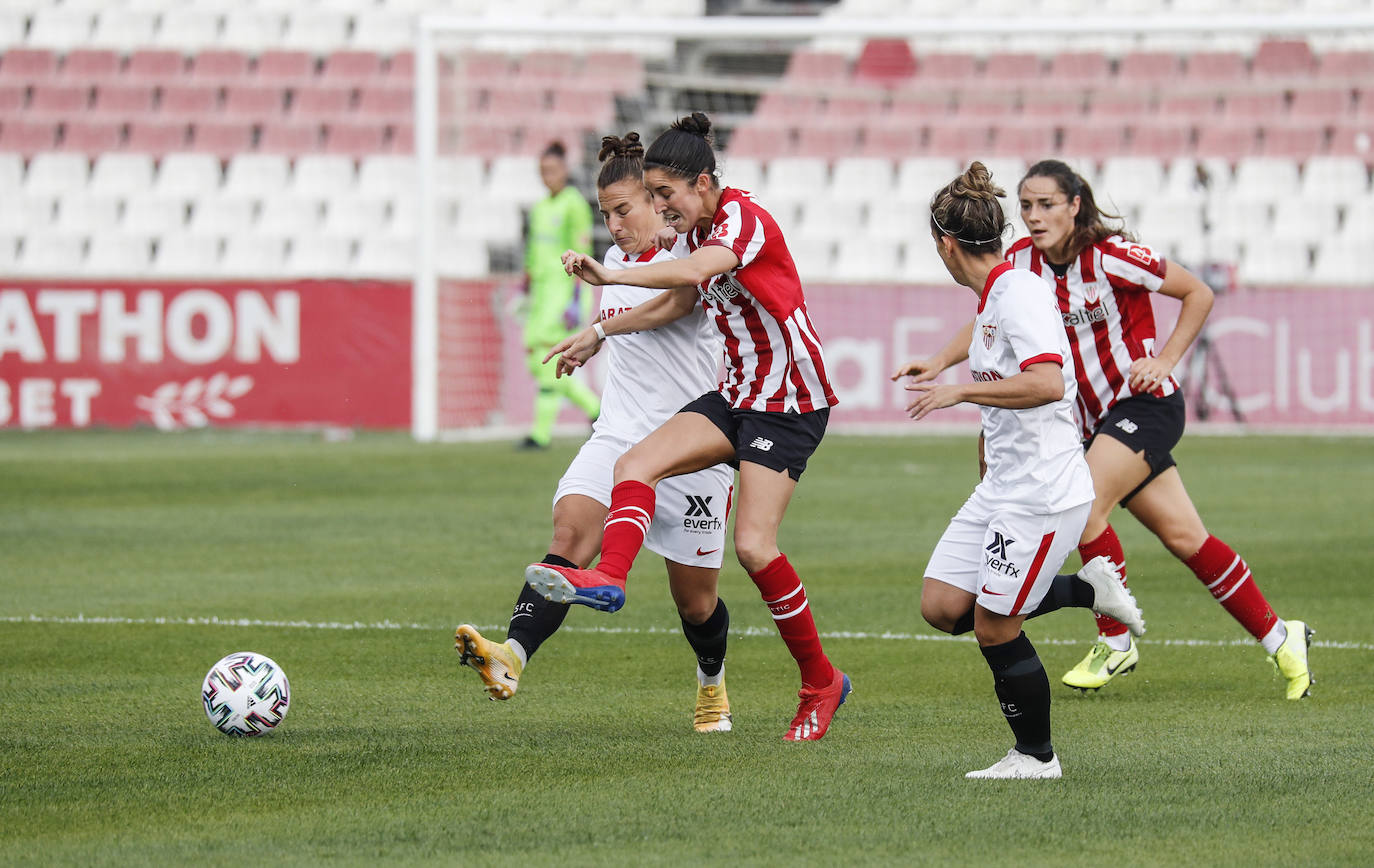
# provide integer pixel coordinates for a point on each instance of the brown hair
(966, 209)
(555, 149)
(1090, 224)
(684, 149)
(621, 158)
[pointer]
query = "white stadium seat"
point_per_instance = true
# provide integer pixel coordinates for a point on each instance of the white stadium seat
(394, 174)
(919, 177)
(1305, 219)
(125, 174)
(56, 174)
(118, 255)
(921, 262)
(189, 29)
(462, 257)
(123, 29)
(187, 255)
(289, 214)
(86, 213)
(28, 212)
(862, 178)
(1341, 261)
(153, 214)
(897, 219)
(257, 175)
(742, 173)
(385, 257)
(60, 28)
(253, 255)
(866, 260)
(11, 174)
(316, 255)
(1276, 261)
(1335, 179)
(1130, 181)
(250, 29)
(317, 30)
(222, 215)
(488, 220)
(517, 179)
(51, 254)
(356, 215)
(188, 175)
(323, 175)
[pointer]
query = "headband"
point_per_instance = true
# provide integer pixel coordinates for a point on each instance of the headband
(945, 231)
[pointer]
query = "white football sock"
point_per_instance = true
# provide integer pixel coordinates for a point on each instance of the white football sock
(1275, 637)
(1119, 642)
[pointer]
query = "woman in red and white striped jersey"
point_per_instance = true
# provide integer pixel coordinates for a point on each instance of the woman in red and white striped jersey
(1131, 408)
(767, 417)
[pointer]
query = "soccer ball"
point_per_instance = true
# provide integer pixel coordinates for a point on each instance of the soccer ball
(245, 694)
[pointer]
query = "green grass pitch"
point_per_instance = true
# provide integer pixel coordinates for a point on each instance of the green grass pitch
(130, 562)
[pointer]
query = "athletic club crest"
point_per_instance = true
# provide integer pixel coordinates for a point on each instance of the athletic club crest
(1090, 293)
(989, 335)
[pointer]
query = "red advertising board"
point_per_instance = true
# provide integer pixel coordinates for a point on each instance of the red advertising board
(75, 354)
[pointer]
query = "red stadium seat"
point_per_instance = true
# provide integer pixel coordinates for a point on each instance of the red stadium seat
(351, 66)
(757, 139)
(958, 140)
(156, 137)
(1324, 103)
(893, 137)
(885, 62)
(1298, 141)
(1191, 106)
(954, 68)
(839, 109)
(400, 139)
(932, 103)
(534, 139)
(388, 101)
(787, 105)
(1227, 141)
(1012, 68)
(223, 138)
(1160, 138)
(116, 99)
(1356, 66)
(157, 64)
(1124, 105)
(1284, 57)
(816, 67)
(91, 137)
(484, 67)
(90, 65)
(284, 66)
(13, 98)
(354, 139)
(1138, 67)
(828, 142)
(1081, 67)
(219, 66)
(586, 108)
(1051, 105)
(59, 100)
(546, 68)
(254, 102)
(617, 71)
(1206, 66)
(327, 102)
(189, 101)
(28, 64)
(401, 66)
(485, 140)
(291, 138)
(27, 137)
(1028, 140)
(1097, 140)
(518, 102)
(986, 102)
(1354, 139)
(1258, 106)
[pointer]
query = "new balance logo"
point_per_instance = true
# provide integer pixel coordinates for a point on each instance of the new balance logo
(1128, 426)
(698, 505)
(761, 444)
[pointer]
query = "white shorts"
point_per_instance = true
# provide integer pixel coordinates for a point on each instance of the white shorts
(689, 511)
(1004, 556)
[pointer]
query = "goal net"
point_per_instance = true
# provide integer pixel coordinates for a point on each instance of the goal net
(843, 126)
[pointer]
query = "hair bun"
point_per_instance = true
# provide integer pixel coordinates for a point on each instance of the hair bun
(615, 146)
(697, 123)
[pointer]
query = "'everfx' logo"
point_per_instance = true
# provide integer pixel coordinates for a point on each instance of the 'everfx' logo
(997, 555)
(698, 516)
(698, 505)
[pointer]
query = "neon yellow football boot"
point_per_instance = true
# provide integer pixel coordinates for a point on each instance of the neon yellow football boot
(1102, 664)
(496, 663)
(1291, 659)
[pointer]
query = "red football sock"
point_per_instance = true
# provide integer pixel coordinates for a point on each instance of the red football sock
(632, 508)
(1107, 544)
(782, 591)
(1227, 576)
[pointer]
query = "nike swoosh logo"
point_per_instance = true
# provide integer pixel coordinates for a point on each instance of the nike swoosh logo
(506, 675)
(702, 554)
(1111, 670)
(991, 592)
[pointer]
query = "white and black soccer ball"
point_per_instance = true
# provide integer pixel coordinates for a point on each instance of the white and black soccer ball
(246, 694)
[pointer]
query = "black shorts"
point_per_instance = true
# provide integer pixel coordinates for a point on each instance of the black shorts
(778, 441)
(1150, 427)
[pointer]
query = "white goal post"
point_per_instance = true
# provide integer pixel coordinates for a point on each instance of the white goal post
(439, 39)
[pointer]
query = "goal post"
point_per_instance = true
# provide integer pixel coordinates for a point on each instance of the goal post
(476, 129)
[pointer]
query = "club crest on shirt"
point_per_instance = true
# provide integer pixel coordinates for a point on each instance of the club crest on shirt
(720, 232)
(1090, 293)
(989, 335)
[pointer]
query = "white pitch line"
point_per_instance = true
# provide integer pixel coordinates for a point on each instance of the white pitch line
(748, 632)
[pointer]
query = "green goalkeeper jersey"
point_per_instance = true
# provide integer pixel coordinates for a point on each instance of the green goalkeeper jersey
(557, 223)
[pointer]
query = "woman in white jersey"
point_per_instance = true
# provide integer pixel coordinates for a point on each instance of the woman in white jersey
(767, 416)
(1131, 409)
(997, 559)
(650, 375)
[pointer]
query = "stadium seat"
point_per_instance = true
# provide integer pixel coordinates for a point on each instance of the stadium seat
(1148, 68)
(11, 174)
(189, 28)
(188, 175)
(224, 139)
(515, 178)
(221, 215)
(1265, 179)
(1210, 67)
(1078, 67)
(256, 175)
(921, 262)
(256, 102)
(1183, 181)
(897, 219)
(893, 138)
(1341, 261)
(51, 254)
(743, 173)
(60, 28)
(353, 138)
(253, 255)
(1296, 141)
(826, 218)
(806, 67)
(1351, 65)
(91, 137)
(154, 215)
(1354, 139)
(288, 215)
(1162, 221)
(9, 252)
(1335, 179)
(826, 143)
(322, 175)
(947, 67)
(960, 140)
(1028, 140)
(1229, 142)
(289, 138)
(1305, 219)
(115, 100)
(316, 255)
(1283, 57)
(27, 212)
(58, 101)
(284, 67)
(315, 29)
(393, 174)
(28, 64)
(322, 103)
(584, 108)
(122, 174)
(219, 66)
(57, 174)
(463, 257)
(356, 215)
(91, 65)
(351, 66)
(118, 254)
(1130, 180)
(392, 103)
(187, 255)
(884, 62)
(1241, 220)
(81, 212)
(156, 137)
(124, 29)
(1188, 106)
(1320, 103)
(861, 178)
(1160, 139)
(866, 260)
(919, 177)
(28, 137)
(13, 25)
(189, 102)
(1098, 141)
(814, 261)
(1275, 261)
(249, 29)
(385, 257)
(1120, 105)
(381, 30)
(794, 179)
(1261, 105)
(488, 220)
(13, 98)
(158, 65)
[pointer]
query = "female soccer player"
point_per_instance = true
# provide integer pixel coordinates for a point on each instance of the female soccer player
(650, 374)
(560, 221)
(767, 416)
(1131, 411)
(998, 557)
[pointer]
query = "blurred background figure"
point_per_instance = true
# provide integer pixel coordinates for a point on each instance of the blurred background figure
(557, 303)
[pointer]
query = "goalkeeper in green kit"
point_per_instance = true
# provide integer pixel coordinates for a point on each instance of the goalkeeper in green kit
(558, 304)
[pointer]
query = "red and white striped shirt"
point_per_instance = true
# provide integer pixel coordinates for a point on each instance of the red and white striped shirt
(773, 358)
(1104, 300)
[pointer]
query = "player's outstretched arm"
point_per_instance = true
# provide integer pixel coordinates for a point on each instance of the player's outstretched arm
(703, 264)
(952, 353)
(574, 350)
(1040, 383)
(587, 269)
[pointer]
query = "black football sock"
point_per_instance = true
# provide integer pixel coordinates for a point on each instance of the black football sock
(1023, 688)
(1066, 592)
(535, 618)
(708, 639)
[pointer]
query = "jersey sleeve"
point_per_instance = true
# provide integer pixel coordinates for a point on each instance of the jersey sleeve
(738, 230)
(1033, 325)
(1129, 264)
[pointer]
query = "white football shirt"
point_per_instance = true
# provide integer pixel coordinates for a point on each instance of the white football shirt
(653, 374)
(1034, 456)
